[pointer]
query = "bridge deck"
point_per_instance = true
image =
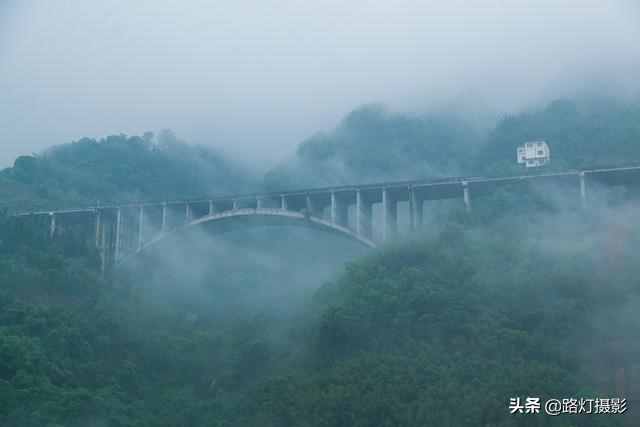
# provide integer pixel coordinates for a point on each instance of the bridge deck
(417, 184)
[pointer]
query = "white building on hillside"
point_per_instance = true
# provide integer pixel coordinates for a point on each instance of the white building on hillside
(534, 154)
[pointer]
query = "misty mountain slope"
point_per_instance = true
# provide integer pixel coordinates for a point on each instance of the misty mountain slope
(371, 144)
(444, 332)
(434, 332)
(177, 342)
(119, 168)
(245, 270)
(438, 331)
(581, 134)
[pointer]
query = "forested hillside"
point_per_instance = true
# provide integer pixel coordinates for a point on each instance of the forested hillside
(120, 168)
(526, 297)
(595, 133)
(372, 144)
(440, 332)
(435, 332)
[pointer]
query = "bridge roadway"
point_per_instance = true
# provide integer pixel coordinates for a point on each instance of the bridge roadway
(123, 230)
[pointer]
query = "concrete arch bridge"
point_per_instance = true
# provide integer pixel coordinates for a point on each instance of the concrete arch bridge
(367, 214)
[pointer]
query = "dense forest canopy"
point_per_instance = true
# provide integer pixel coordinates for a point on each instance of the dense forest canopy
(586, 134)
(121, 168)
(371, 144)
(528, 296)
(397, 147)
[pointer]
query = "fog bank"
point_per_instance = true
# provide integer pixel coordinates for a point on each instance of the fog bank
(256, 78)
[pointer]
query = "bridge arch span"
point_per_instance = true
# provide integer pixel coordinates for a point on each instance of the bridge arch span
(228, 220)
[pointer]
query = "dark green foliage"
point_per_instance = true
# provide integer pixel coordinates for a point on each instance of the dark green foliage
(119, 168)
(372, 145)
(438, 332)
(598, 133)
(444, 332)
(526, 298)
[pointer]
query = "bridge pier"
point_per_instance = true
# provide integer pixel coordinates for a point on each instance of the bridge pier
(313, 207)
(116, 244)
(102, 250)
(283, 202)
(466, 196)
(364, 210)
(104, 235)
(389, 215)
(583, 190)
(98, 221)
(415, 210)
(99, 235)
(163, 219)
(52, 225)
(339, 211)
(140, 227)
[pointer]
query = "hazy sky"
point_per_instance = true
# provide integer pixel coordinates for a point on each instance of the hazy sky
(257, 77)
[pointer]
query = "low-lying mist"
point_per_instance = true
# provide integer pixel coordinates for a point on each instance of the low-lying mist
(272, 269)
(531, 293)
(536, 249)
